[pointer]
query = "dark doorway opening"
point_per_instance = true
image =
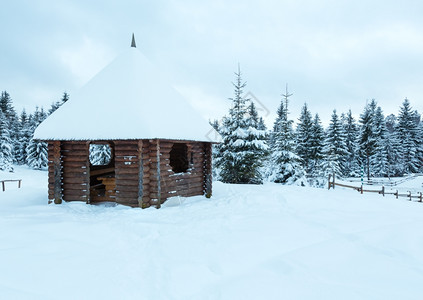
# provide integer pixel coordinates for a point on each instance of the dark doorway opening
(102, 172)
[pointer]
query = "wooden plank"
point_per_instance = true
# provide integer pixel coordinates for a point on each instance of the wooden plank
(74, 159)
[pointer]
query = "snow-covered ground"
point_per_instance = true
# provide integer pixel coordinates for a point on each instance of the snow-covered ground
(246, 242)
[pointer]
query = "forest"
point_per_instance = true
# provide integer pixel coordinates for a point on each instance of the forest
(301, 152)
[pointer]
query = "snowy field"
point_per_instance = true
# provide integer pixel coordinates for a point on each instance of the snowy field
(246, 242)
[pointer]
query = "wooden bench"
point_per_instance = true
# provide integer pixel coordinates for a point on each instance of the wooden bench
(3, 183)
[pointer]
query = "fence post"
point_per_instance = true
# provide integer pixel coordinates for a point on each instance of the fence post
(329, 181)
(4, 188)
(396, 194)
(383, 190)
(361, 189)
(409, 195)
(333, 183)
(420, 200)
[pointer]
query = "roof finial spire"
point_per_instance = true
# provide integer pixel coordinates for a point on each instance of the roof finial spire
(133, 41)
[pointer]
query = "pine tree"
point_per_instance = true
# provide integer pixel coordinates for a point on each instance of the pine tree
(238, 159)
(335, 148)
(24, 137)
(6, 154)
(6, 107)
(286, 163)
(351, 131)
(317, 143)
(379, 160)
(36, 151)
(367, 138)
(304, 138)
(57, 104)
(406, 133)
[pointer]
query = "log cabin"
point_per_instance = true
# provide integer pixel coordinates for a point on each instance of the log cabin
(159, 145)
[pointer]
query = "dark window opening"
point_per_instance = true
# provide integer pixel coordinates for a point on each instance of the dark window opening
(179, 158)
(192, 158)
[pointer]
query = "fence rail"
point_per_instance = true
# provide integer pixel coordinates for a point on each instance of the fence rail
(384, 182)
(409, 195)
(3, 183)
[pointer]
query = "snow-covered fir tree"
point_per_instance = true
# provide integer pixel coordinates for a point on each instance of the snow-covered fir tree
(379, 160)
(286, 164)
(367, 138)
(351, 131)
(406, 133)
(6, 147)
(24, 137)
(37, 151)
(304, 138)
(335, 149)
(240, 154)
(57, 104)
(316, 145)
(6, 107)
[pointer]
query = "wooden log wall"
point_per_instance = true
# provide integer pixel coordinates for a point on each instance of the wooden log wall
(136, 171)
(127, 171)
(75, 171)
(186, 184)
(54, 172)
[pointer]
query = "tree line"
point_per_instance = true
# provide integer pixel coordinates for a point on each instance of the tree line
(17, 145)
(374, 145)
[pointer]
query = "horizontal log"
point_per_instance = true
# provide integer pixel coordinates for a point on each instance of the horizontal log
(74, 194)
(125, 159)
(75, 159)
(102, 171)
(74, 180)
(75, 186)
(126, 184)
(79, 170)
(132, 154)
(126, 194)
(67, 147)
(127, 176)
(123, 190)
(74, 164)
(66, 174)
(125, 165)
(71, 198)
(126, 148)
(84, 152)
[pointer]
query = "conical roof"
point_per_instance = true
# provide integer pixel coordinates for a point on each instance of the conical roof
(128, 99)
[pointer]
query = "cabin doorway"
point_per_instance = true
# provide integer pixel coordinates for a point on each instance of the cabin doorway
(102, 172)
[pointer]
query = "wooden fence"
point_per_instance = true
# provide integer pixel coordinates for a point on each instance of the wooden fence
(409, 195)
(3, 183)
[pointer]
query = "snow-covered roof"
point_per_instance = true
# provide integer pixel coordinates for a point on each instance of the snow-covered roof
(128, 99)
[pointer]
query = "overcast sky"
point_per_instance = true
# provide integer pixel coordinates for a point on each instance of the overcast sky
(333, 54)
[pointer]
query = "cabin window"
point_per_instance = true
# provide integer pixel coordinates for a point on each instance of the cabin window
(179, 158)
(100, 154)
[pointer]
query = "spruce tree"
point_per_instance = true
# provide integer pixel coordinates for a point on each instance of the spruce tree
(406, 133)
(367, 138)
(379, 159)
(335, 148)
(317, 144)
(37, 151)
(286, 164)
(351, 131)
(6, 148)
(304, 138)
(24, 137)
(238, 160)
